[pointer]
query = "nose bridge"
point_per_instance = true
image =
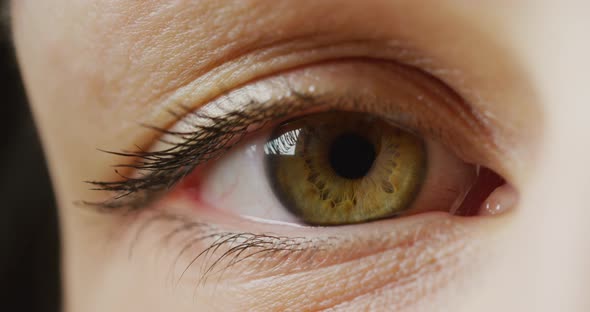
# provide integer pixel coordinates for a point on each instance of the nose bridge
(555, 215)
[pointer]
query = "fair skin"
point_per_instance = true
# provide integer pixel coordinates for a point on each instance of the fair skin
(96, 70)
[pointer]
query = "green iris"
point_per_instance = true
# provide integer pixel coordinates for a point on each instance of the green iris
(342, 167)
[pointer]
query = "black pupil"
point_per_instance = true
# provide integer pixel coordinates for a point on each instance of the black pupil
(351, 156)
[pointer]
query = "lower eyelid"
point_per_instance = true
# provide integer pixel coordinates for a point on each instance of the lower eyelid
(306, 248)
(417, 265)
(417, 254)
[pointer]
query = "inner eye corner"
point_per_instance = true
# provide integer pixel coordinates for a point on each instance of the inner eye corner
(490, 195)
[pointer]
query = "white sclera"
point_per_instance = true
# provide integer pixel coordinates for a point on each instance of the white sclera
(237, 182)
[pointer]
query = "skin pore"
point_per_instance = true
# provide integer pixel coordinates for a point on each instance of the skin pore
(95, 71)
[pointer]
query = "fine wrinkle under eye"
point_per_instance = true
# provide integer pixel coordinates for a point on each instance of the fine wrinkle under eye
(260, 256)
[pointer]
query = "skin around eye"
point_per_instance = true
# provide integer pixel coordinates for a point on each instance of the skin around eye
(223, 216)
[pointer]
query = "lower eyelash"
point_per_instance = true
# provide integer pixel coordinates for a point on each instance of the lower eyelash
(264, 252)
(239, 247)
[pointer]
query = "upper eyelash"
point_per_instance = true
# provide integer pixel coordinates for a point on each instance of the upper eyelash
(158, 171)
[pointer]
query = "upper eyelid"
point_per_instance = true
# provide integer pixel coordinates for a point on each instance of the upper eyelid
(274, 59)
(280, 57)
(470, 82)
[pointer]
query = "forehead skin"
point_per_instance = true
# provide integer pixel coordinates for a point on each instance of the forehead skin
(95, 69)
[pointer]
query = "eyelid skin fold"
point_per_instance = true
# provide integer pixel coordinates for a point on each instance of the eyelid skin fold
(400, 94)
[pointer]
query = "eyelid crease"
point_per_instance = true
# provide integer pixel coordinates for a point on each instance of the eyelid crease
(457, 105)
(322, 47)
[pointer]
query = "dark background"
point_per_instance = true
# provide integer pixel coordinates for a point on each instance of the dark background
(29, 256)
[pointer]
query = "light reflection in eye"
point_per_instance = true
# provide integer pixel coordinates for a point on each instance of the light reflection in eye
(284, 145)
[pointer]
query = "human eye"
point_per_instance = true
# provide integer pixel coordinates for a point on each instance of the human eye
(318, 166)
